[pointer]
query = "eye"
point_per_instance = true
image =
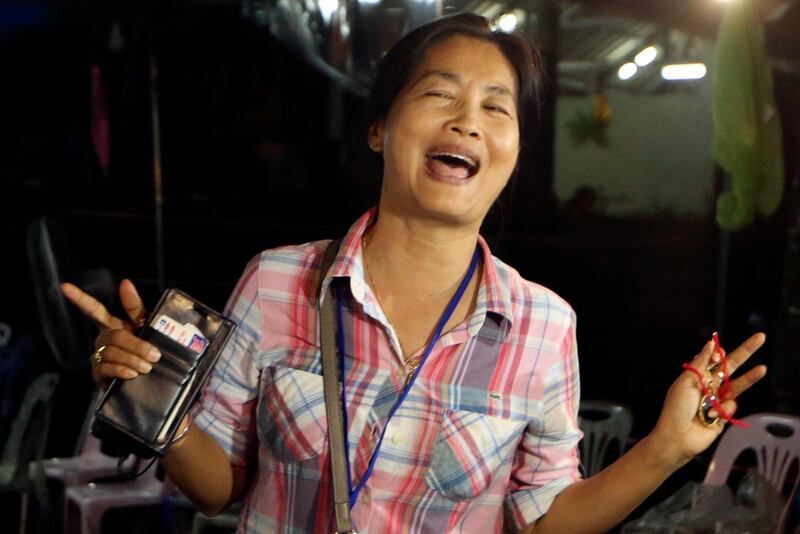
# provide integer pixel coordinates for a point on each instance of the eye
(440, 94)
(496, 108)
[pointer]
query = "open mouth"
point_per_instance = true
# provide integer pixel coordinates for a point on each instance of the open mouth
(453, 164)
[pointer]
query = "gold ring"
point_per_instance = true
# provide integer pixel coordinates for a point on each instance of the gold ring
(98, 355)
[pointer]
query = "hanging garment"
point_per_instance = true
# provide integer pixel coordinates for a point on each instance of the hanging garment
(747, 130)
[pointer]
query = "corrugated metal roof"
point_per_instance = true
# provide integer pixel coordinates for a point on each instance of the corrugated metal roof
(595, 37)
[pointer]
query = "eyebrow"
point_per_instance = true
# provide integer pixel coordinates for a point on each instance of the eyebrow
(500, 90)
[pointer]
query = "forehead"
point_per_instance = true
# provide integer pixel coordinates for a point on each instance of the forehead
(470, 59)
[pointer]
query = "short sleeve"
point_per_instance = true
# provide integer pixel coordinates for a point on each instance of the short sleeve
(226, 406)
(546, 460)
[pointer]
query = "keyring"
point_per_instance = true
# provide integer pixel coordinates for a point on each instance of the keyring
(706, 403)
(711, 392)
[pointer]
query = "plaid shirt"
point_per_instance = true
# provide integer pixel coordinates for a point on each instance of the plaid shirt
(487, 435)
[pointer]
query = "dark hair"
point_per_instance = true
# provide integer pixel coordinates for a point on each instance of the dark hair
(403, 58)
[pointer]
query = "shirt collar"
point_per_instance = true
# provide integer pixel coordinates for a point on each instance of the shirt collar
(349, 262)
(494, 293)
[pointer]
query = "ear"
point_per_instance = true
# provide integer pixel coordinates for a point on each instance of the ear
(375, 136)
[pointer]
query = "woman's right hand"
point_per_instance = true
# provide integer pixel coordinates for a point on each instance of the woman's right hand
(125, 355)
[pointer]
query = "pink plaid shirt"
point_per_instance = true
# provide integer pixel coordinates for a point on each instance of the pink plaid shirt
(487, 435)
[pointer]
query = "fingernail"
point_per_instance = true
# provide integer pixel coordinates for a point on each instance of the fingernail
(145, 367)
(154, 355)
(713, 413)
(130, 373)
(715, 357)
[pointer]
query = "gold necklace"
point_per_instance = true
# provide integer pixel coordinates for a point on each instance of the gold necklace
(411, 364)
(370, 279)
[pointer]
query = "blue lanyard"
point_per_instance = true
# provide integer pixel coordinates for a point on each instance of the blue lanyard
(341, 346)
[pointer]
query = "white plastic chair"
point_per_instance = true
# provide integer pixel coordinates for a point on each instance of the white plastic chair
(88, 464)
(790, 511)
(775, 439)
(226, 521)
(84, 505)
(20, 463)
(603, 424)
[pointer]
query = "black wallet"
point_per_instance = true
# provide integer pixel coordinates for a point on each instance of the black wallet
(141, 415)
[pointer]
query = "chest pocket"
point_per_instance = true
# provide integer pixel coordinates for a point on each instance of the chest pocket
(470, 451)
(291, 414)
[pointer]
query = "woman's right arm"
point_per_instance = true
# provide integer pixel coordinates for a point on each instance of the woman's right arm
(195, 462)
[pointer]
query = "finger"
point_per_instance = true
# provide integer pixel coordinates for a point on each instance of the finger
(744, 382)
(744, 351)
(701, 361)
(103, 372)
(729, 406)
(126, 341)
(90, 306)
(114, 357)
(131, 302)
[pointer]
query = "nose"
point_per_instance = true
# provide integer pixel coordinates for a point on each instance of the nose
(465, 129)
(465, 122)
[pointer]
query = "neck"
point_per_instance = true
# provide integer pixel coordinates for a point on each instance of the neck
(416, 259)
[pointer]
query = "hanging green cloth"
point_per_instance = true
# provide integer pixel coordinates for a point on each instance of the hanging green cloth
(747, 130)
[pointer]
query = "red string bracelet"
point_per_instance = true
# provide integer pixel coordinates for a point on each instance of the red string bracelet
(724, 388)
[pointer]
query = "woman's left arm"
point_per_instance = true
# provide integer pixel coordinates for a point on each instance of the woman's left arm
(599, 503)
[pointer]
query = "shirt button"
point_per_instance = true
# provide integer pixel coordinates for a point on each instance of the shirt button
(397, 439)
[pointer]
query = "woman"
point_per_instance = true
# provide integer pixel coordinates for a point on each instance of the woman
(469, 431)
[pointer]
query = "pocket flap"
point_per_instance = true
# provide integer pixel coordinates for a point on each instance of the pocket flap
(291, 413)
(470, 450)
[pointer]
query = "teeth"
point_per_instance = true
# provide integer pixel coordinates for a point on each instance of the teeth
(460, 157)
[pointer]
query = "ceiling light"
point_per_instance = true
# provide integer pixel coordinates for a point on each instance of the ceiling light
(687, 71)
(327, 8)
(627, 71)
(646, 56)
(624, 50)
(508, 22)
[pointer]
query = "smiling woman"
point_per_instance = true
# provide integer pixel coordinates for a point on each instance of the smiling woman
(451, 138)
(460, 384)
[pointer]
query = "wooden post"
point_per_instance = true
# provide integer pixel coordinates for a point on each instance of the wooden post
(537, 174)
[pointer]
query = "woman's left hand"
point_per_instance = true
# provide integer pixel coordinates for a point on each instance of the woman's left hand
(679, 430)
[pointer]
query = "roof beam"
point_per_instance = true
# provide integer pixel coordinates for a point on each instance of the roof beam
(703, 18)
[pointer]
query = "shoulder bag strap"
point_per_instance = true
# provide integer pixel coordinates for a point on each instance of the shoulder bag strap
(333, 408)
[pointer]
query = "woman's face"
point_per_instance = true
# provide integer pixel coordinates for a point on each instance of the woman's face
(451, 138)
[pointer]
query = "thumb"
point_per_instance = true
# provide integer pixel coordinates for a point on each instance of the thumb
(132, 302)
